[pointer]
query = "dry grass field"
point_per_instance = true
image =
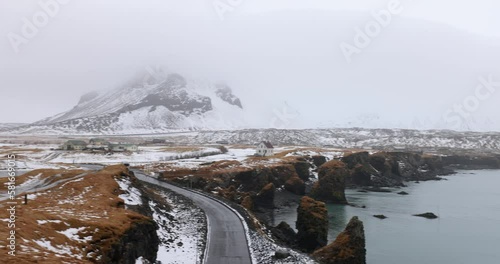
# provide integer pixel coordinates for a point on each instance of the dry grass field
(73, 222)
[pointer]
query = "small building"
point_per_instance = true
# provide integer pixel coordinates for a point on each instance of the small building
(98, 144)
(122, 147)
(74, 145)
(264, 149)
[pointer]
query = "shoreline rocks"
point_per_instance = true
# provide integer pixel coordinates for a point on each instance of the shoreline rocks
(380, 216)
(348, 247)
(427, 215)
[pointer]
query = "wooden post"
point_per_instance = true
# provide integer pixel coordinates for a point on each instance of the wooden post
(25, 198)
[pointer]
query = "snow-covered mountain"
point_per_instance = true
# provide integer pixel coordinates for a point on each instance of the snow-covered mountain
(158, 102)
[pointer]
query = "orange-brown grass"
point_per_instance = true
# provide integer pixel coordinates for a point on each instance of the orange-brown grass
(91, 203)
(16, 150)
(44, 173)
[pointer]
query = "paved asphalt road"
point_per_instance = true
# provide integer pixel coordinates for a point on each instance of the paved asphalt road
(227, 242)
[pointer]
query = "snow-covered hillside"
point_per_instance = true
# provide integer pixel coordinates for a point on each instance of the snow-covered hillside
(351, 138)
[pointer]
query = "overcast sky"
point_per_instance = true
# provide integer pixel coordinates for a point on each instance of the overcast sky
(92, 45)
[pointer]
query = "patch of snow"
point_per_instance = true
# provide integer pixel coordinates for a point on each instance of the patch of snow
(72, 233)
(132, 195)
(42, 222)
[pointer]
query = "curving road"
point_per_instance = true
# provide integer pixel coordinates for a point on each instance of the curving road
(227, 243)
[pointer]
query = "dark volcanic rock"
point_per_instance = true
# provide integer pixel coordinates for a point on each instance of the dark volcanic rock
(295, 185)
(348, 247)
(355, 159)
(312, 224)
(139, 240)
(265, 197)
(225, 93)
(318, 160)
(331, 184)
(285, 233)
(172, 95)
(427, 215)
(380, 216)
(472, 162)
(361, 175)
(281, 254)
(302, 168)
(402, 193)
(361, 169)
(378, 189)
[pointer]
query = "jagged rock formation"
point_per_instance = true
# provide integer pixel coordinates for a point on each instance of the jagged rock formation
(331, 184)
(173, 95)
(361, 169)
(348, 247)
(312, 224)
(225, 93)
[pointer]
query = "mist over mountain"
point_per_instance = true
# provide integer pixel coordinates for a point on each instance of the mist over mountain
(287, 70)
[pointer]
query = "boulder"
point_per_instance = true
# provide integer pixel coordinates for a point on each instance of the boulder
(331, 184)
(348, 247)
(285, 233)
(281, 254)
(427, 215)
(312, 224)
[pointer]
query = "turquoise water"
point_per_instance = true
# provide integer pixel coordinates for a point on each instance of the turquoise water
(467, 230)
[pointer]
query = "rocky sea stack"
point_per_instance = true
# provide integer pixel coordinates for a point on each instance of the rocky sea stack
(312, 224)
(348, 247)
(331, 184)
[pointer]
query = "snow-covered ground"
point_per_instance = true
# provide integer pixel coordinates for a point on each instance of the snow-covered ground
(182, 230)
(46, 156)
(132, 195)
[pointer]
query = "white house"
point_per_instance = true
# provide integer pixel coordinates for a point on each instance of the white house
(264, 149)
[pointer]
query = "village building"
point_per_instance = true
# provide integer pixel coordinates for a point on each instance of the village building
(98, 144)
(74, 145)
(264, 149)
(123, 147)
